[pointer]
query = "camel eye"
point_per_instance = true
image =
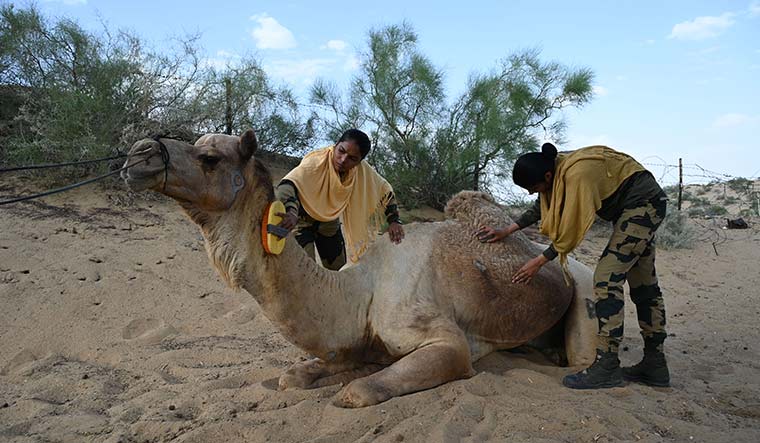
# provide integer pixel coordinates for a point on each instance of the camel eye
(208, 160)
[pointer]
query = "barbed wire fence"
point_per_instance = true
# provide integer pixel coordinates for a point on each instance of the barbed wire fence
(730, 196)
(687, 179)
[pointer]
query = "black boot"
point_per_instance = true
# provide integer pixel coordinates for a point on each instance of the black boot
(652, 370)
(603, 373)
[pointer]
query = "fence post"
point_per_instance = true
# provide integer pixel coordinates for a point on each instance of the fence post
(680, 182)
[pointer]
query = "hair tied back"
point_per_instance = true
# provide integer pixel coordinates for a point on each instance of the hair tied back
(549, 150)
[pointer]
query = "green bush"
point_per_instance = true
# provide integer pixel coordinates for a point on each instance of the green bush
(716, 210)
(699, 202)
(740, 185)
(675, 232)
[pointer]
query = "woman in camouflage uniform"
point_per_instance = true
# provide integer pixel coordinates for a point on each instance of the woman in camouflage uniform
(573, 189)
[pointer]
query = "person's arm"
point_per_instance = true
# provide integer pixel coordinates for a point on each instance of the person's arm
(550, 253)
(526, 273)
(287, 193)
(530, 216)
(391, 210)
(488, 234)
(395, 230)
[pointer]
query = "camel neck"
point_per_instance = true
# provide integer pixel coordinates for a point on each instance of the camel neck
(321, 311)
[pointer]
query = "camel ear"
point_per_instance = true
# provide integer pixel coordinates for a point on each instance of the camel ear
(248, 145)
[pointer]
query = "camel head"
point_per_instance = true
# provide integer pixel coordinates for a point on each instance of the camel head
(206, 177)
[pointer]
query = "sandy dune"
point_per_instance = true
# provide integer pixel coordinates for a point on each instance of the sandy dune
(114, 328)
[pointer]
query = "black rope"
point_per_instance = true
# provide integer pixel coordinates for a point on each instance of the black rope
(75, 185)
(164, 157)
(56, 165)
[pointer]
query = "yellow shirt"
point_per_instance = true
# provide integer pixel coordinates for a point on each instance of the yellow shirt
(582, 179)
(359, 198)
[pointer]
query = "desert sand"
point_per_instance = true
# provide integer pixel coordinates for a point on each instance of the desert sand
(115, 328)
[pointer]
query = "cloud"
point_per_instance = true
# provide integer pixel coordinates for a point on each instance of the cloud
(352, 63)
(651, 41)
(600, 91)
(754, 9)
(336, 45)
(301, 72)
(735, 120)
(702, 27)
(222, 60)
(270, 34)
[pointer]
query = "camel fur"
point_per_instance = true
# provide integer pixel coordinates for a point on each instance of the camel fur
(405, 318)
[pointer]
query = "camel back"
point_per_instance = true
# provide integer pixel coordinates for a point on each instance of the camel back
(490, 305)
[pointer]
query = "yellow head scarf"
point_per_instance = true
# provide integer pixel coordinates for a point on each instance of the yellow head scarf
(359, 199)
(582, 179)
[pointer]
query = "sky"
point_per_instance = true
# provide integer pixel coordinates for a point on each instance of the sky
(673, 78)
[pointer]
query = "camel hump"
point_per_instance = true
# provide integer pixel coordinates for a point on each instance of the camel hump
(475, 207)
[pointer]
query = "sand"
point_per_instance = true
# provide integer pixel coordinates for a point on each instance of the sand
(114, 328)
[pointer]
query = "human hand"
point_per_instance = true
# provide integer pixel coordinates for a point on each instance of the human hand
(487, 234)
(526, 273)
(289, 220)
(396, 232)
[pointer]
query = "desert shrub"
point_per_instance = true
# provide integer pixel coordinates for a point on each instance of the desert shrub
(701, 191)
(730, 200)
(716, 210)
(699, 202)
(675, 231)
(671, 191)
(739, 185)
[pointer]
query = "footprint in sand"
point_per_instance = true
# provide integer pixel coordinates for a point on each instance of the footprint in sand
(18, 362)
(234, 311)
(243, 314)
(148, 330)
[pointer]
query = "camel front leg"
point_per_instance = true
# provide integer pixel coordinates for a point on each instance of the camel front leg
(304, 373)
(316, 373)
(426, 367)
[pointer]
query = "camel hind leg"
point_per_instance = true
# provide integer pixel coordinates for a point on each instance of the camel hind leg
(429, 366)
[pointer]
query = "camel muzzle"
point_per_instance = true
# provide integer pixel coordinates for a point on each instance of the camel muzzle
(146, 161)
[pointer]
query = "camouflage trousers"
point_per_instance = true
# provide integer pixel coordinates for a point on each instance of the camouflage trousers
(629, 256)
(328, 239)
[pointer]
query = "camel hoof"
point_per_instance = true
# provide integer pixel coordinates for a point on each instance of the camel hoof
(361, 393)
(288, 381)
(301, 375)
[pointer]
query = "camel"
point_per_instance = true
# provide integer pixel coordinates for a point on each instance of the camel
(406, 317)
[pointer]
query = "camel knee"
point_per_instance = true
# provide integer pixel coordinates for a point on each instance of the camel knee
(442, 362)
(460, 361)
